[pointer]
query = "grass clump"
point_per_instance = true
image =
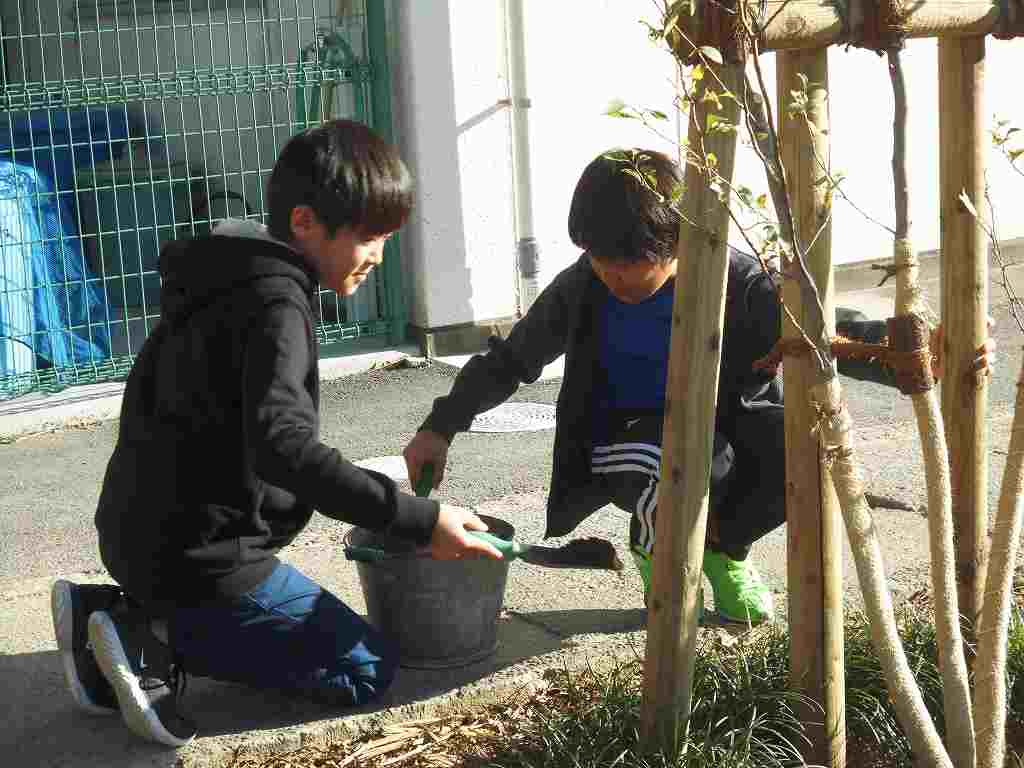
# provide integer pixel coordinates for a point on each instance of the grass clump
(742, 714)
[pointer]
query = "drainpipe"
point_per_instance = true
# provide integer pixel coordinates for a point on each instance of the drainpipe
(528, 253)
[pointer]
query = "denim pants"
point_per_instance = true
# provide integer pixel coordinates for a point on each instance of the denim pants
(287, 634)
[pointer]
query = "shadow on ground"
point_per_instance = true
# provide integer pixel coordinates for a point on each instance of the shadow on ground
(48, 730)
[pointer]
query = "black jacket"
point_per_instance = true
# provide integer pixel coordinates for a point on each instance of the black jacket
(565, 319)
(218, 463)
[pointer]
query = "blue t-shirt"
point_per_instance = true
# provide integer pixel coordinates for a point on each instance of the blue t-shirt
(634, 351)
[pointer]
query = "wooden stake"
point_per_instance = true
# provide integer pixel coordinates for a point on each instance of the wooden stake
(964, 248)
(815, 528)
(690, 400)
(812, 24)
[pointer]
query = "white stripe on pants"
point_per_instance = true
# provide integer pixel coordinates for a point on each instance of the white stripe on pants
(639, 458)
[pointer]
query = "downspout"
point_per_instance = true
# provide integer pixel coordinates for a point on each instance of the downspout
(527, 251)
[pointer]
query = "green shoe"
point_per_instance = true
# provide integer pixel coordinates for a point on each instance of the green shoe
(644, 564)
(740, 594)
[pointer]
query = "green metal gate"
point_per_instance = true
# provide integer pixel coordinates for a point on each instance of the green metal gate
(127, 123)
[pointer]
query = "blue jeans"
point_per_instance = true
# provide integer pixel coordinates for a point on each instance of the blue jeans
(287, 634)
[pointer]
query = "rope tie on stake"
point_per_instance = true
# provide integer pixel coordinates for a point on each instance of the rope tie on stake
(876, 24)
(905, 351)
(910, 358)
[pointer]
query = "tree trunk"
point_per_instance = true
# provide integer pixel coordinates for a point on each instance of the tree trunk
(835, 429)
(990, 666)
(956, 694)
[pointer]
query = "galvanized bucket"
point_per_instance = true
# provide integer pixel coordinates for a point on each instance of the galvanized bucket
(442, 614)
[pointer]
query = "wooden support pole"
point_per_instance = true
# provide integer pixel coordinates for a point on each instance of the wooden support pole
(964, 249)
(812, 24)
(690, 400)
(815, 527)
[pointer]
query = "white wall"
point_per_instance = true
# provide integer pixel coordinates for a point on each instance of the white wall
(459, 247)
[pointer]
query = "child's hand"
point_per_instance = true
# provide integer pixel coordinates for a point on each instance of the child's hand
(450, 541)
(984, 360)
(426, 448)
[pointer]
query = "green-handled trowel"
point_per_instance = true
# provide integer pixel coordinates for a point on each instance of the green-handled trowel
(593, 553)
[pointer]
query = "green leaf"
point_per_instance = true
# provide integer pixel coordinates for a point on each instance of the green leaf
(715, 123)
(697, 73)
(634, 173)
(1014, 154)
(671, 20)
(653, 32)
(657, 114)
(617, 108)
(711, 53)
(711, 96)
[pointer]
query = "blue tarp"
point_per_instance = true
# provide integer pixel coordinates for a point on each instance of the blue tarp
(49, 303)
(51, 306)
(55, 142)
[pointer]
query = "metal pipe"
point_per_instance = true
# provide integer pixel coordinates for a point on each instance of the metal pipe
(527, 250)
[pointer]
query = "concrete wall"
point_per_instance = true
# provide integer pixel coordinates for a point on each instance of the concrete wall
(449, 75)
(459, 247)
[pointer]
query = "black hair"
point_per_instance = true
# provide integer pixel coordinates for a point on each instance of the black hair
(347, 174)
(624, 206)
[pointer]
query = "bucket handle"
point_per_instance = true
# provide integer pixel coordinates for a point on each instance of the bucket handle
(364, 554)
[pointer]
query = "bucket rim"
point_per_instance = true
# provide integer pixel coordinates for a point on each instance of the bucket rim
(508, 534)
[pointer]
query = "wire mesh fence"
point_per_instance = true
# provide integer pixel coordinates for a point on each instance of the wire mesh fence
(128, 123)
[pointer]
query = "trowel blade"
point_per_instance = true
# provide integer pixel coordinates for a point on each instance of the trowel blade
(590, 553)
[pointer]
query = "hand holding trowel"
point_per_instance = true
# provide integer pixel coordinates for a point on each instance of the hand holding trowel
(594, 553)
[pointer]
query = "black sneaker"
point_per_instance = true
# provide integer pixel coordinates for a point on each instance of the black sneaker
(70, 606)
(130, 656)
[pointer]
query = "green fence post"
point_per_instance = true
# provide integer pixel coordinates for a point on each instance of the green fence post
(380, 91)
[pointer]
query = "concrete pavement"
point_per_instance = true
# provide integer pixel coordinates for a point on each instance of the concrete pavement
(51, 480)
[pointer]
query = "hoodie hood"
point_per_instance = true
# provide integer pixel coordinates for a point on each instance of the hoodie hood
(238, 253)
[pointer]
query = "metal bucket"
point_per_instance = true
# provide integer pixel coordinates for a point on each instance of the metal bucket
(441, 613)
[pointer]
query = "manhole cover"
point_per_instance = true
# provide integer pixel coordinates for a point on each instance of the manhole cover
(392, 466)
(515, 417)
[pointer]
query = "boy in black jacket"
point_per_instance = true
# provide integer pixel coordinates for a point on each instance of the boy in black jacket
(218, 464)
(610, 315)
